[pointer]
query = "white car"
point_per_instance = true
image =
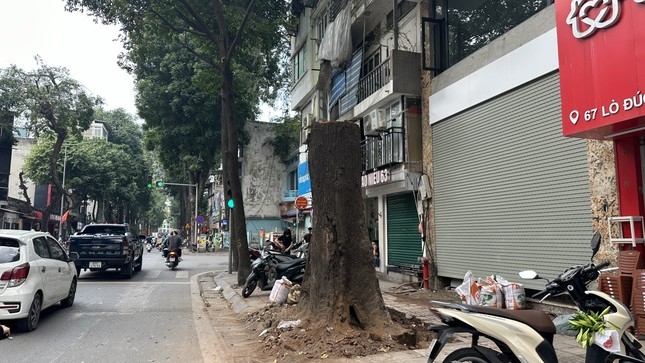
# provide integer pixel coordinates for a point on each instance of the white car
(35, 273)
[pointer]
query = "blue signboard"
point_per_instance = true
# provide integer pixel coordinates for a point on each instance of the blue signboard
(304, 184)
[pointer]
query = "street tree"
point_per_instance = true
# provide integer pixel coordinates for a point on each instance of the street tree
(95, 169)
(123, 130)
(215, 31)
(340, 288)
(52, 103)
(179, 108)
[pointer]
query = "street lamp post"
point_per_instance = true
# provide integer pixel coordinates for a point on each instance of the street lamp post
(62, 197)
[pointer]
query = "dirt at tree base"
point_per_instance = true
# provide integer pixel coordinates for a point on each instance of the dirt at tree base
(302, 343)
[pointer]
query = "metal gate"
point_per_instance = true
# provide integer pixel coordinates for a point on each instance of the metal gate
(511, 193)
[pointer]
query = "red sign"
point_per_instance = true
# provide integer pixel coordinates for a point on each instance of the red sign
(302, 203)
(601, 57)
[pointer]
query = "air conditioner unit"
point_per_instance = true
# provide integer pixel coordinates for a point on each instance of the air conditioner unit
(307, 120)
(368, 128)
(379, 122)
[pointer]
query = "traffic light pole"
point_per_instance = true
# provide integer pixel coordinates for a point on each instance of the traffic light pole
(195, 217)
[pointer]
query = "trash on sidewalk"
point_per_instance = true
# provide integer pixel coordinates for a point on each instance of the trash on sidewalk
(294, 295)
(280, 291)
(494, 291)
(289, 324)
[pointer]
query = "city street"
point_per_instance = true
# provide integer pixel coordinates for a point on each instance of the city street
(146, 319)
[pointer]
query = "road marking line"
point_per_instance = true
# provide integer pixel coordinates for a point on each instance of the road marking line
(181, 275)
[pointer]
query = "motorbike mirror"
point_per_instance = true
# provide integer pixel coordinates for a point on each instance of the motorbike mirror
(529, 275)
(595, 244)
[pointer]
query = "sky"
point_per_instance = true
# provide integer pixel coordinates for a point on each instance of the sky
(87, 49)
(62, 39)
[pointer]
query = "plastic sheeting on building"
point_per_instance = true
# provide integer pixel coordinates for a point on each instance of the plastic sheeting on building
(336, 45)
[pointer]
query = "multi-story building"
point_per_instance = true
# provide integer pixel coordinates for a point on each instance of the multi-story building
(502, 189)
(376, 87)
(15, 214)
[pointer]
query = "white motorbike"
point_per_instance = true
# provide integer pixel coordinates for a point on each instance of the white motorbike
(526, 336)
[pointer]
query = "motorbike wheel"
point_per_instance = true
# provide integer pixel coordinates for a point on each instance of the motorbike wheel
(249, 287)
(465, 355)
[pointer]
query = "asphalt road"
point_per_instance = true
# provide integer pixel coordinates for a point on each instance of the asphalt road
(149, 318)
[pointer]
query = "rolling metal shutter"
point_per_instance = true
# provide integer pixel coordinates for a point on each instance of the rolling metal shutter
(403, 238)
(511, 193)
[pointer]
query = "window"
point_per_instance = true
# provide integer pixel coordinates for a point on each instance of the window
(372, 62)
(55, 250)
(467, 26)
(321, 25)
(402, 9)
(299, 63)
(40, 247)
(9, 251)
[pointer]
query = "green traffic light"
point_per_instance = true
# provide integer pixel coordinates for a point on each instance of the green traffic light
(159, 183)
(149, 185)
(230, 203)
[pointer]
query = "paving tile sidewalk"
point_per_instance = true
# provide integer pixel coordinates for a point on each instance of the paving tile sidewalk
(567, 348)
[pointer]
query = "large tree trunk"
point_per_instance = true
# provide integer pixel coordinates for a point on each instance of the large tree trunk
(238, 241)
(340, 287)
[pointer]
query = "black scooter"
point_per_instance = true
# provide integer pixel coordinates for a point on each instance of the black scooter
(265, 275)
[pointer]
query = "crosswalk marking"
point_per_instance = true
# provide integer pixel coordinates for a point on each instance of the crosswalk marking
(181, 275)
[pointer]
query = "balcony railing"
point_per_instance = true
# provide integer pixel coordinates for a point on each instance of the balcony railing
(374, 80)
(383, 149)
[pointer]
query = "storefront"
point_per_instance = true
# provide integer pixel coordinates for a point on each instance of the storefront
(602, 84)
(392, 217)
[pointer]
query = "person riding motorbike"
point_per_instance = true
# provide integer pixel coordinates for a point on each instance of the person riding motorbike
(173, 243)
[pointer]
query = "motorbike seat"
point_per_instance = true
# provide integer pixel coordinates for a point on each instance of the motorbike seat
(536, 319)
(283, 266)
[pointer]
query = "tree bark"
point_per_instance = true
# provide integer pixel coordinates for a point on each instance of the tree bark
(340, 287)
(238, 241)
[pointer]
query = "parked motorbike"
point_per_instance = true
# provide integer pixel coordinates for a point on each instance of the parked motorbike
(527, 335)
(265, 275)
(172, 260)
(301, 249)
(254, 254)
(149, 246)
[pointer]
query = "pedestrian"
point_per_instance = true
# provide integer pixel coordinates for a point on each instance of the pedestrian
(307, 236)
(285, 239)
(376, 254)
(5, 332)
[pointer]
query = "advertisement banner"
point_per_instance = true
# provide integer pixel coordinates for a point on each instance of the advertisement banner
(304, 184)
(600, 54)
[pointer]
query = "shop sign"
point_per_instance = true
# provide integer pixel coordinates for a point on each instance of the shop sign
(375, 178)
(602, 81)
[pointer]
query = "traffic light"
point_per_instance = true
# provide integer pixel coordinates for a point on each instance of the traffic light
(159, 183)
(229, 195)
(149, 185)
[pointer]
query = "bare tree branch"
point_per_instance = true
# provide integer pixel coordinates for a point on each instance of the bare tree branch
(174, 27)
(219, 14)
(200, 22)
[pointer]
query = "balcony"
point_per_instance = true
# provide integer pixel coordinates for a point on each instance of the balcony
(384, 149)
(396, 76)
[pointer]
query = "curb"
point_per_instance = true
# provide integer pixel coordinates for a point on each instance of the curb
(236, 301)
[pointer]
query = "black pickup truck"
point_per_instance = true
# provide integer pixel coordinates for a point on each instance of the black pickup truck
(104, 246)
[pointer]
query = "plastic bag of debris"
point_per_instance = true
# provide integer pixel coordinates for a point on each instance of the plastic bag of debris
(294, 295)
(280, 291)
(514, 295)
(469, 290)
(490, 293)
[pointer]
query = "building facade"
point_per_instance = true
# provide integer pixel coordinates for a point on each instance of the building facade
(375, 83)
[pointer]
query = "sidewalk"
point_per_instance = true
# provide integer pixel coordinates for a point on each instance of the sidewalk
(567, 348)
